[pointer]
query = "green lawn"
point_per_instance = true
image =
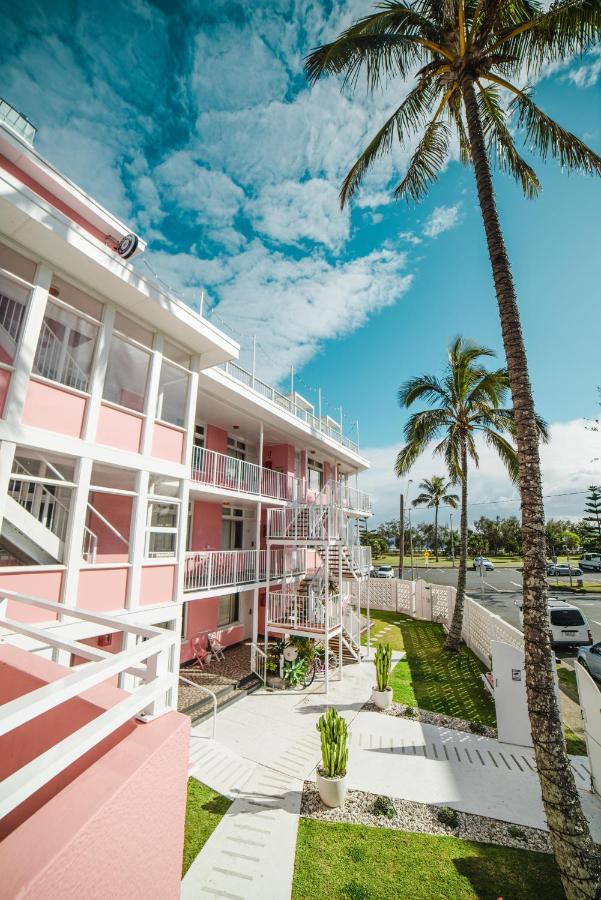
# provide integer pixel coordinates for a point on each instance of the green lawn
(430, 678)
(204, 810)
(355, 862)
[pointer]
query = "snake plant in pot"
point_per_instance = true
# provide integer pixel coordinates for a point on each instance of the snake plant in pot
(382, 693)
(331, 775)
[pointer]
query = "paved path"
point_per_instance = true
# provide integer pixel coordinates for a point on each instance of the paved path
(267, 745)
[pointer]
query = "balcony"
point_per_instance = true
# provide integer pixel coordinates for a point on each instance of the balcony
(342, 495)
(304, 612)
(206, 570)
(241, 477)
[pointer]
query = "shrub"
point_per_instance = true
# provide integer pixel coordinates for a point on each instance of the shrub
(384, 806)
(516, 833)
(410, 711)
(334, 743)
(447, 816)
(383, 662)
(477, 727)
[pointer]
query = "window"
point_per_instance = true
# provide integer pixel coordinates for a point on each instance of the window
(65, 347)
(13, 301)
(232, 529)
(161, 529)
(228, 610)
(199, 436)
(176, 354)
(314, 475)
(126, 374)
(173, 393)
(236, 449)
(566, 617)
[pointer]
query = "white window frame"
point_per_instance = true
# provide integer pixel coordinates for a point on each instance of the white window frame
(235, 597)
(156, 529)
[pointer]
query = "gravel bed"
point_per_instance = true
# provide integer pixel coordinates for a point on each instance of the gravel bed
(422, 818)
(432, 718)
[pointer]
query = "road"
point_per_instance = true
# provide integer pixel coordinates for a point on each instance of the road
(499, 590)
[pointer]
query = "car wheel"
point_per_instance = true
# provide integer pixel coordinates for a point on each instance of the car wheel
(583, 663)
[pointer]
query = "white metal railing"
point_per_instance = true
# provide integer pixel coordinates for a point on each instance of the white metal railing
(303, 611)
(360, 558)
(53, 360)
(206, 569)
(148, 660)
(304, 523)
(11, 316)
(339, 493)
(258, 662)
(212, 695)
(289, 403)
(223, 471)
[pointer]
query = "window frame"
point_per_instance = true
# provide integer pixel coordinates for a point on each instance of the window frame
(127, 340)
(233, 620)
(150, 529)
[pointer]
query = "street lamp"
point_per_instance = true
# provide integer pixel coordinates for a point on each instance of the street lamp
(452, 540)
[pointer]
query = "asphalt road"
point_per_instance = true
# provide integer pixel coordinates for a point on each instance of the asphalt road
(499, 590)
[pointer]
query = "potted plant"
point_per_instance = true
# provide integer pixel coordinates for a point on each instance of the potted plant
(382, 693)
(331, 775)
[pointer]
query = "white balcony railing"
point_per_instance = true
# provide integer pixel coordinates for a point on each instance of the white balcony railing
(147, 659)
(304, 611)
(242, 477)
(207, 569)
(304, 523)
(360, 558)
(341, 494)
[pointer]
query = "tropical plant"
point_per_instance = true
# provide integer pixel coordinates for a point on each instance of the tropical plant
(591, 521)
(334, 743)
(383, 663)
(463, 54)
(294, 672)
(435, 491)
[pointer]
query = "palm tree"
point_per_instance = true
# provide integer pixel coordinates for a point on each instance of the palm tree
(464, 53)
(434, 491)
(468, 399)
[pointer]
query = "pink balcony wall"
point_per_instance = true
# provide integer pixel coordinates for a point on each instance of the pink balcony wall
(117, 510)
(202, 618)
(167, 442)
(112, 823)
(5, 377)
(157, 584)
(206, 525)
(54, 408)
(118, 428)
(279, 457)
(102, 590)
(216, 439)
(46, 584)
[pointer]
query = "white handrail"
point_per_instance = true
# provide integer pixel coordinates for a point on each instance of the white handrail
(201, 687)
(340, 493)
(304, 611)
(207, 569)
(258, 662)
(220, 470)
(52, 360)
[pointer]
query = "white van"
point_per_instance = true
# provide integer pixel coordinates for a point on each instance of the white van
(568, 626)
(590, 562)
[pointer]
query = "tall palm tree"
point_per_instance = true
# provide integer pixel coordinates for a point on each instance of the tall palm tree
(464, 54)
(434, 491)
(468, 399)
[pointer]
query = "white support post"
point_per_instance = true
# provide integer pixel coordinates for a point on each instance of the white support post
(259, 512)
(254, 361)
(23, 363)
(190, 414)
(292, 384)
(184, 496)
(327, 615)
(98, 373)
(267, 585)
(340, 654)
(7, 455)
(152, 393)
(137, 540)
(368, 621)
(78, 509)
(319, 411)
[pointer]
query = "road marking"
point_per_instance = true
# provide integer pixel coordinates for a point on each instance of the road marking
(595, 623)
(488, 584)
(515, 584)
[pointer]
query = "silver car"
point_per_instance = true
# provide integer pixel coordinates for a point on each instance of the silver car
(590, 659)
(384, 572)
(562, 569)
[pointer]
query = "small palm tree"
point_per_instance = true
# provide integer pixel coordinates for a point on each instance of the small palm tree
(434, 492)
(468, 399)
(464, 53)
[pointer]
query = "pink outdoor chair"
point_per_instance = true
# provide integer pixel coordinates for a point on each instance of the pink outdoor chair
(201, 653)
(216, 647)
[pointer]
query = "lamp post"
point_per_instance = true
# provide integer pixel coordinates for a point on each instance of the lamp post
(403, 501)
(452, 540)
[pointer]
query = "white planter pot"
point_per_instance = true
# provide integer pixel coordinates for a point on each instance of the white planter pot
(382, 699)
(332, 790)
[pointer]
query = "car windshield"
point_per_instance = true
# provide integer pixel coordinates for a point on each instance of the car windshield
(566, 617)
(385, 568)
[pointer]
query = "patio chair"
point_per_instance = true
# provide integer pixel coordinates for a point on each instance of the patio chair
(201, 653)
(216, 647)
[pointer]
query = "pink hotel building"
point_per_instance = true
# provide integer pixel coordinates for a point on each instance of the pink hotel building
(145, 479)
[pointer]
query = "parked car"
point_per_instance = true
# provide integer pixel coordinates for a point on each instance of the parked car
(562, 569)
(590, 562)
(568, 626)
(590, 659)
(372, 571)
(384, 572)
(482, 561)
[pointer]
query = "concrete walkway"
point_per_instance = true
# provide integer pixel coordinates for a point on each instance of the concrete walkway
(267, 745)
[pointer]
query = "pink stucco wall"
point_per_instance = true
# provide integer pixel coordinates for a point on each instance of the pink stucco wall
(112, 825)
(54, 408)
(216, 439)
(206, 525)
(5, 377)
(280, 456)
(202, 617)
(157, 584)
(102, 590)
(167, 442)
(118, 428)
(117, 510)
(46, 585)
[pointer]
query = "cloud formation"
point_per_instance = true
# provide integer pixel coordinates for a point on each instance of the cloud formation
(441, 219)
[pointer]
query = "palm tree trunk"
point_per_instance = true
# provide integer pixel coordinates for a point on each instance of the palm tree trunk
(436, 532)
(576, 856)
(454, 636)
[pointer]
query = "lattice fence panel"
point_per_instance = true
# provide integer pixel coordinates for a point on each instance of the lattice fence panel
(405, 597)
(441, 602)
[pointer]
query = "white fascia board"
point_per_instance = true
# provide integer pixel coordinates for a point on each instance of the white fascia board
(251, 402)
(49, 234)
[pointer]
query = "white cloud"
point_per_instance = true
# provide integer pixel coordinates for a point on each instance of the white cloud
(441, 219)
(568, 466)
(191, 187)
(290, 211)
(410, 237)
(588, 73)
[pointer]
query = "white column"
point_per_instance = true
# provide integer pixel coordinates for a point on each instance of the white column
(327, 615)
(34, 316)
(74, 537)
(98, 374)
(259, 512)
(190, 416)
(184, 495)
(136, 541)
(152, 393)
(7, 455)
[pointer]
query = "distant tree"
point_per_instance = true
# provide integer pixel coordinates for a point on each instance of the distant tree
(378, 543)
(571, 541)
(390, 531)
(591, 521)
(434, 492)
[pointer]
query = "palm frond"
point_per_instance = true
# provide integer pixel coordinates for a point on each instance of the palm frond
(506, 452)
(426, 387)
(427, 161)
(382, 56)
(498, 136)
(455, 112)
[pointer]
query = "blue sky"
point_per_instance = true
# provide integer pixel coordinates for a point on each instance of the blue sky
(194, 122)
